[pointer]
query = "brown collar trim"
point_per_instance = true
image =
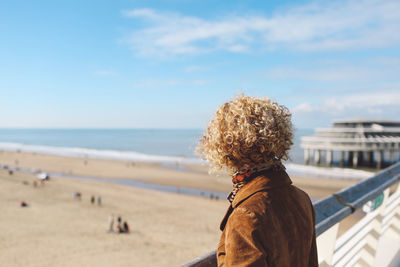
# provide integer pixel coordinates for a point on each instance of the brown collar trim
(225, 219)
(258, 184)
(265, 181)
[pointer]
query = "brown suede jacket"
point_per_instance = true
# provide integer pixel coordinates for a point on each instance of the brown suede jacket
(270, 223)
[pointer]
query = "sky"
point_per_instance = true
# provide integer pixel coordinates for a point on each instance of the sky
(171, 64)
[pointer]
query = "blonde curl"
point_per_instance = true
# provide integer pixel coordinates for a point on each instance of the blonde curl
(247, 131)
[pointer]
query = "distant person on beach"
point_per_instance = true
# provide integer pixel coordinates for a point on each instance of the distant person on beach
(99, 200)
(126, 227)
(111, 222)
(77, 195)
(23, 204)
(269, 221)
(119, 225)
(92, 199)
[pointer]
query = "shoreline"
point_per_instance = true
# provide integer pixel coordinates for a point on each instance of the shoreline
(175, 161)
(129, 182)
(191, 176)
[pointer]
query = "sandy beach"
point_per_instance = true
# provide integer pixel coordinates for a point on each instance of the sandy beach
(57, 230)
(167, 229)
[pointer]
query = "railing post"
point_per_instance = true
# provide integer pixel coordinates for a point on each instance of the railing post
(326, 245)
(368, 253)
(389, 243)
(359, 244)
(395, 221)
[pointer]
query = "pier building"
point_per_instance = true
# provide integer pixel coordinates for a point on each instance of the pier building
(355, 142)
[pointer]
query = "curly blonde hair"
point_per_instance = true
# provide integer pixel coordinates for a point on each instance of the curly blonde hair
(247, 131)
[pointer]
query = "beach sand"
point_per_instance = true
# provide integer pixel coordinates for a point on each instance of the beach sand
(167, 229)
(58, 230)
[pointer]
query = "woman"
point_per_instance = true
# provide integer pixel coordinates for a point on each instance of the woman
(269, 222)
(126, 228)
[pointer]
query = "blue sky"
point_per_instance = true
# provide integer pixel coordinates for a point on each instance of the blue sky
(170, 64)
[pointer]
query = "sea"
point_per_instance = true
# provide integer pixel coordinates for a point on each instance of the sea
(166, 146)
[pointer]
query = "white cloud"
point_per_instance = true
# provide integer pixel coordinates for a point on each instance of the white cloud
(378, 104)
(337, 70)
(337, 25)
(322, 75)
(172, 33)
(322, 25)
(333, 74)
(376, 111)
(238, 48)
(371, 103)
(303, 107)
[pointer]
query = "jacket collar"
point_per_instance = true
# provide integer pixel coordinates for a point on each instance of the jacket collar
(265, 181)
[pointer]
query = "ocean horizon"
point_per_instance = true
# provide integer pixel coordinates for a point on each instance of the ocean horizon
(142, 143)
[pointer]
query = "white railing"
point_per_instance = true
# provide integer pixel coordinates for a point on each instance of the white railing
(372, 241)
